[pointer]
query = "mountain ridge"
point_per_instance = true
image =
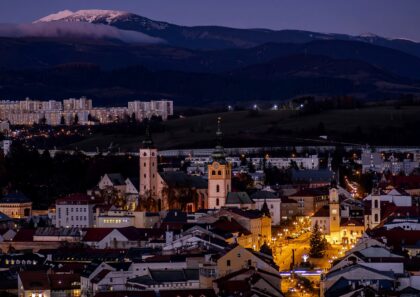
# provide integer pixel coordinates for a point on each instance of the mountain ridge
(220, 37)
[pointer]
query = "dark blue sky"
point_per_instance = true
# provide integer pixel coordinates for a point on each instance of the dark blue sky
(389, 18)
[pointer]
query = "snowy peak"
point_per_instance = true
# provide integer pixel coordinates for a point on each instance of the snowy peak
(55, 16)
(100, 16)
(89, 15)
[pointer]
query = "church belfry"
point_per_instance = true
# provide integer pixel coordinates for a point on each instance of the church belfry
(334, 204)
(219, 173)
(148, 166)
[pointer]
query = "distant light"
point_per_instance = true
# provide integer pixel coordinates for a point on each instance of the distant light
(275, 107)
(255, 106)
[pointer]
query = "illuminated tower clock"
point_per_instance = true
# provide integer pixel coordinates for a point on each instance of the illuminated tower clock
(219, 174)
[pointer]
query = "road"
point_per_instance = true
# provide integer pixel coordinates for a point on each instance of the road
(284, 253)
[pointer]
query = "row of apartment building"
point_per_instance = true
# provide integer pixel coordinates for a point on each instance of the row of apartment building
(28, 112)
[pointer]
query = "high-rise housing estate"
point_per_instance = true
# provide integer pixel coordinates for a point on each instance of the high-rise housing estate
(52, 112)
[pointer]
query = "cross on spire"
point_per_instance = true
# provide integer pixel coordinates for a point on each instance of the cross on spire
(147, 141)
(219, 153)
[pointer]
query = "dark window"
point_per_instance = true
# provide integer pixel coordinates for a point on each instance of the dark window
(228, 263)
(219, 172)
(217, 188)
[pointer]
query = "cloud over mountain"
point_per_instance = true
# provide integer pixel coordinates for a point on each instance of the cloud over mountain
(59, 29)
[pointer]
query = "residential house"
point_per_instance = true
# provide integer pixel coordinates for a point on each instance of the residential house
(240, 257)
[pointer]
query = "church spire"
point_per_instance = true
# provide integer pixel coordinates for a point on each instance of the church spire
(147, 141)
(219, 153)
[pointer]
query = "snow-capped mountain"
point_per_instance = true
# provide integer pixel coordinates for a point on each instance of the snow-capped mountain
(216, 37)
(101, 16)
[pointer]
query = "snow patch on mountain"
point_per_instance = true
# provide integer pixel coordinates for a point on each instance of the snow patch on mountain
(87, 15)
(57, 29)
(55, 16)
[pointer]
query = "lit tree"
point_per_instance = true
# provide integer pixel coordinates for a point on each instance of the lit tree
(318, 244)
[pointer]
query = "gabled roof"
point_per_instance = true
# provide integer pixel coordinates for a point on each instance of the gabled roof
(116, 178)
(131, 233)
(179, 179)
(261, 195)
(158, 276)
(249, 213)
(96, 234)
(135, 181)
(100, 276)
(347, 269)
(225, 227)
(4, 217)
(24, 235)
(76, 198)
(323, 212)
(34, 280)
(238, 198)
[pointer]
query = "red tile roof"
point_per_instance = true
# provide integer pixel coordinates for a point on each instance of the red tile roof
(229, 226)
(24, 235)
(96, 234)
(77, 198)
(34, 280)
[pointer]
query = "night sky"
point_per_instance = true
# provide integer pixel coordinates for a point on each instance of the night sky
(388, 18)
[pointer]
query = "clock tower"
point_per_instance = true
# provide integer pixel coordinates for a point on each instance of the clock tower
(334, 211)
(219, 174)
(148, 167)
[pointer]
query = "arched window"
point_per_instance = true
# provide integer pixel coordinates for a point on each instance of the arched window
(213, 172)
(376, 218)
(217, 202)
(144, 154)
(219, 172)
(217, 188)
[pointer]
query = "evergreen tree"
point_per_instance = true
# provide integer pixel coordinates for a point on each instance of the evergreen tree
(318, 244)
(76, 119)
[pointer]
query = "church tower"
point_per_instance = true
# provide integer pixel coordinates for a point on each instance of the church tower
(375, 217)
(334, 204)
(219, 174)
(148, 167)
